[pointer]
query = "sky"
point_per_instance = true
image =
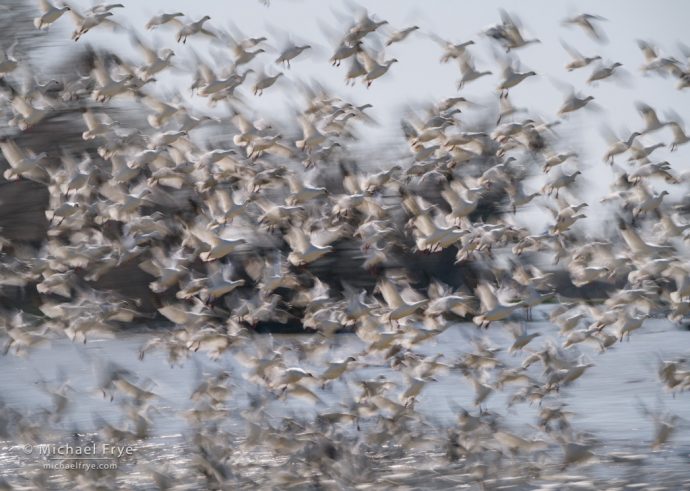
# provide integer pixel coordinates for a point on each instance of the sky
(420, 78)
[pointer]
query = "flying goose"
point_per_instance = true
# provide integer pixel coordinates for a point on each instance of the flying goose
(162, 19)
(265, 82)
(398, 308)
(194, 28)
(84, 23)
(578, 60)
(23, 163)
(491, 309)
(290, 53)
(374, 69)
(601, 72)
(469, 73)
(585, 21)
(50, 15)
(400, 35)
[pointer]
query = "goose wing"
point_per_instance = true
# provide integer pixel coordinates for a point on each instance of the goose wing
(486, 297)
(390, 294)
(12, 153)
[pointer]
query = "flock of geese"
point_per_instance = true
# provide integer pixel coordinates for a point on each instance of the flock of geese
(244, 229)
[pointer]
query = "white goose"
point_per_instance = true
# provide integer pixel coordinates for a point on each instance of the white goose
(304, 251)
(651, 120)
(194, 28)
(374, 69)
(511, 78)
(23, 163)
(491, 309)
(602, 72)
(398, 308)
(290, 54)
(617, 146)
(578, 60)
(399, 36)
(264, 83)
(679, 136)
(84, 23)
(469, 73)
(50, 15)
(162, 19)
(573, 103)
(8, 62)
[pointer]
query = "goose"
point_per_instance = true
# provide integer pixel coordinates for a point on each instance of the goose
(578, 60)
(344, 51)
(557, 159)
(651, 120)
(355, 71)
(460, 208)
(304, 251)
(640, 248)
(226, 207)
(618, 147)
(511, 78)
(582, 275)
(508, 33)
(469, 73)
(518, 197)
(213, 85)
(567, 217)
(26, 115)
(640, 153)
(585, 22)
(433, 238)
(194, 28)
(628, 323)
(573, 103)
(602, 72)
(364, 26)
(311, 136)
(374, 69)
(84, 23)
(301, 193)
(162, 19)
(506, 108)
(522, 339)
(155, 62)
(164, 112)
(335, 370)
(95, 125)
(218, 245)
(265, 82)
(219, 283)
(491, 309)
(272, 145)
(452, 51)
(443, 301)
(8, 62)
(660, 169)
(562, 181)
(22, 163)
(400, 35)
(398, 308)
(107, 87)
(243, 56)
(679, 136)
(291, 53)
(50, 15)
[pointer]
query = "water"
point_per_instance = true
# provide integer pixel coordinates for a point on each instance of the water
(606, 400)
